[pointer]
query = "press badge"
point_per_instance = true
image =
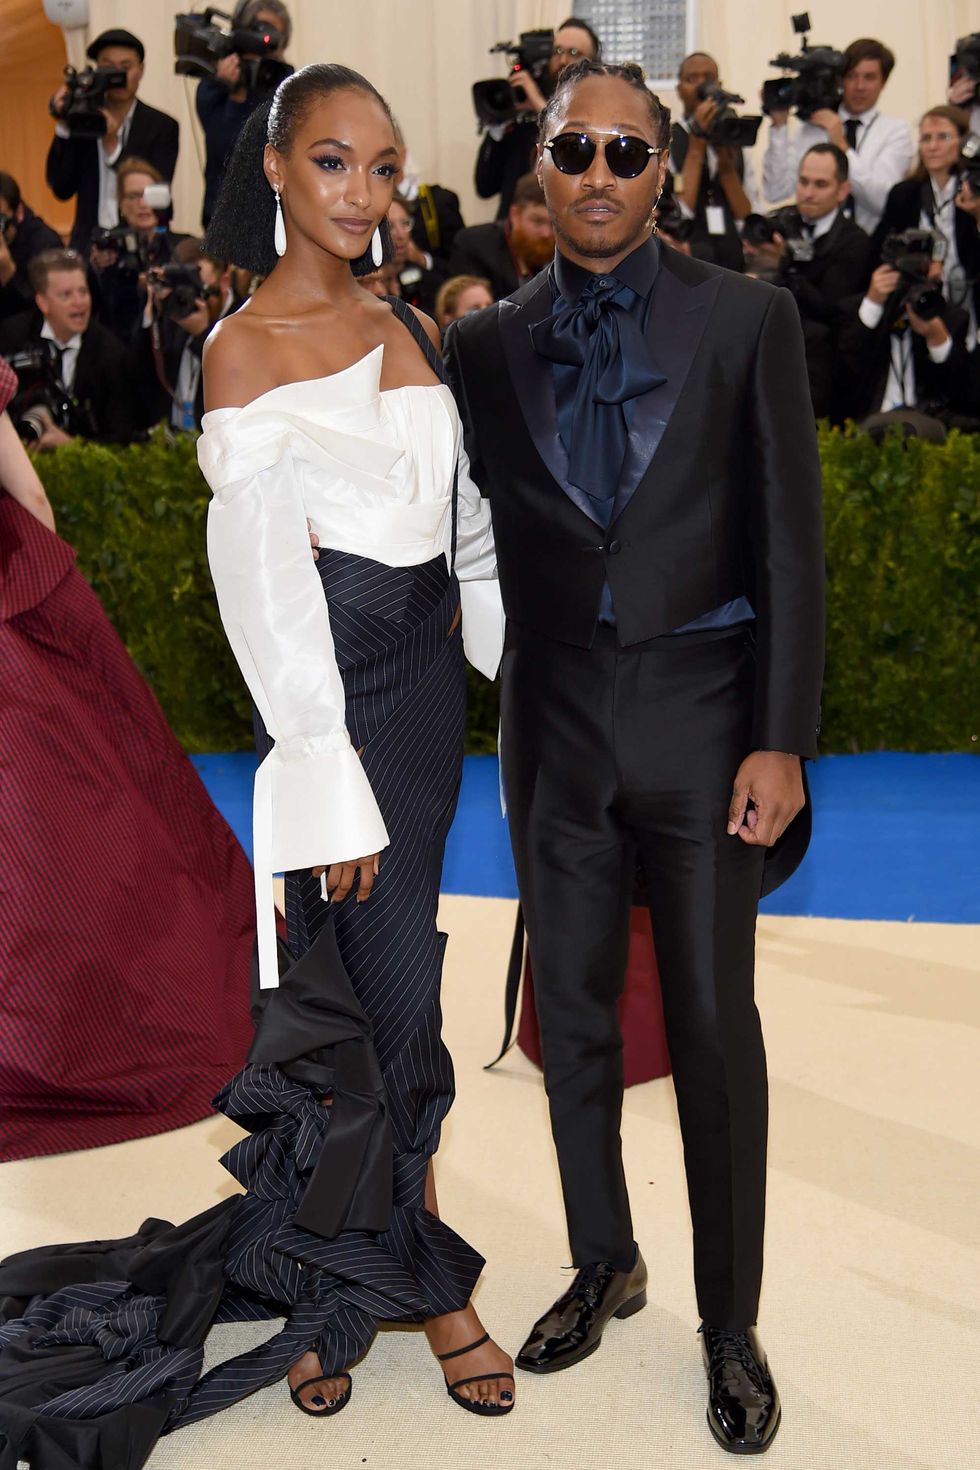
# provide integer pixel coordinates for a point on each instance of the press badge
(715, 217)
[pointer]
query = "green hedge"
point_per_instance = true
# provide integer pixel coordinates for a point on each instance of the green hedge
(903, 562)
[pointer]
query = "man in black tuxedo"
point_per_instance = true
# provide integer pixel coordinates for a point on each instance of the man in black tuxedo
(826, 267)
(507, 253)
(89, 371)
(641, 423)
(23, 235)
(82, 168)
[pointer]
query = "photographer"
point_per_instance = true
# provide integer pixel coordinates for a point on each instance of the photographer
(436, 218)
(713, 186)
(23, 235)
(417, 282)
(82, 167)
(186, 297)
(905, 348)
(879, 149)
(508, 253)
(121, 257)
(508, 149)
(73, 372)
(823, 257)
(963, 89)
(240, 83)
(929, 201)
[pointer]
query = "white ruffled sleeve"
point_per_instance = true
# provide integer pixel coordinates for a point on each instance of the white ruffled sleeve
(313, 803)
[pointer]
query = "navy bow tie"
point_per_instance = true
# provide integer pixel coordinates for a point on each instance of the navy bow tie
(600, 335)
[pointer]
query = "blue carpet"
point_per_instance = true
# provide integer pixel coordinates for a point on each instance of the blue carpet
(895, 836)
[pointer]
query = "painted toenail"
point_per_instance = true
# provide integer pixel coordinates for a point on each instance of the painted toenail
(506, 1396)
(318, 1399)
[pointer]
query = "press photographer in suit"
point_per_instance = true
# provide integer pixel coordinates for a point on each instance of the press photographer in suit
(713, 186)
(825, 263)
(83, 168)
(641, 423)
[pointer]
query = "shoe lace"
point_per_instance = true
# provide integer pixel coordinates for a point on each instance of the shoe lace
(735, 1347)
(589, 1280)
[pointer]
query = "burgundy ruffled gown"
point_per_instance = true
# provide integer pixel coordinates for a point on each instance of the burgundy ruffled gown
(126, 903)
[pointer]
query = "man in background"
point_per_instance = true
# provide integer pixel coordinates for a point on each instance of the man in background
(508, 253)
(83, 169)
(23, 235)
(714, 187)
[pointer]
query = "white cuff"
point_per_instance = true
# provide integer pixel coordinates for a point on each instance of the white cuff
(870, 313)
(61, 130)
(940, 353)
(483, 625)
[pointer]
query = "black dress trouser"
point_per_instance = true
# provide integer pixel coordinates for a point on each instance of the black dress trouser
(608, 753)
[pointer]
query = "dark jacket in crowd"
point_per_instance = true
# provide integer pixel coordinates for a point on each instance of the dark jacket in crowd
(482, 250)
(723, 249)
(32, 236)
(903, 208)
(436, 223)
(828, 290)
(864, 357)
(156, 366)
(118, 298)
(73, 165)
(102, 388)
(222, 120)
(500, 163)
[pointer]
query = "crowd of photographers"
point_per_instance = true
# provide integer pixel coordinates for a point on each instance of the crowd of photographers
(876, 229)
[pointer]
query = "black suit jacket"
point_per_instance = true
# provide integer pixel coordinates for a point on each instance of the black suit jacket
(828, 290)
(73, 165)
(700, 518)
(864, 357)
(902, 210)
(482, 250)
(436, 224)
(501, 162)
(103, 376)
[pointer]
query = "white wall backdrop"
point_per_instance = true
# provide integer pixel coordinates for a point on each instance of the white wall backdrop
(424, 55)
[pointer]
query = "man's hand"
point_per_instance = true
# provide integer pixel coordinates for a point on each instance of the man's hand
(779, 117)
(829, 120)
(196, 321)
(229, 70)
(113, 123)
(883, 283)
(935, 331)
(57, 104)
(314, 539)
(768, 250)
(535, 99)
(968, 201)
(773, 782)
(727, 160)
(704, 116)
(52, 437)
(340, 877)
(962, 91)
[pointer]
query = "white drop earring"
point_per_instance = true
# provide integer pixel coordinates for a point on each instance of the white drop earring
(377, 249)
(279, 237)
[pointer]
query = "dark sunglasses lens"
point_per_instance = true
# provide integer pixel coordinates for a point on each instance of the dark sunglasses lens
(572, 153)
(627, 157)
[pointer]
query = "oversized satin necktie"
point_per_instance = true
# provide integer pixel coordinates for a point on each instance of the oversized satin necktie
(601, 336)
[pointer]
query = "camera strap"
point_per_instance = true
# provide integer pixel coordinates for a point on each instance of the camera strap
(430, 216)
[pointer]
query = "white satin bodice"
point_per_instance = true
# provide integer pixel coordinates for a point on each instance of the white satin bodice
(371, 472)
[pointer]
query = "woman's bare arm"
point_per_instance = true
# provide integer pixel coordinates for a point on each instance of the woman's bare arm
(19, 477)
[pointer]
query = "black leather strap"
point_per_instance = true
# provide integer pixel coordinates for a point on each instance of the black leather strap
(515, 971)
(405, 313)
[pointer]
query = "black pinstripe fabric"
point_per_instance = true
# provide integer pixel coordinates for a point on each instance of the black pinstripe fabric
(101, 1344)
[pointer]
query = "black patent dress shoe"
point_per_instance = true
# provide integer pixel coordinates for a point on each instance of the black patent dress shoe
(573, 1327)
(743, 1405)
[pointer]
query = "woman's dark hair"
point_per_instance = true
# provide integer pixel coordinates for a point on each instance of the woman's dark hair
(242, 226)
(629, 71)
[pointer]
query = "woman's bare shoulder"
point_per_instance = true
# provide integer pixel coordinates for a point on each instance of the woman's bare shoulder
(236, 369)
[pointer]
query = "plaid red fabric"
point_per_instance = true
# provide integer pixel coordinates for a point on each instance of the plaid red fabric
(126, 908)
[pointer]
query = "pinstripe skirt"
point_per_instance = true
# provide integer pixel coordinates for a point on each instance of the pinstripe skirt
(331, 1233)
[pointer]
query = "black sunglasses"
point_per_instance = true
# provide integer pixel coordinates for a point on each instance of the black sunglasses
(626, 156)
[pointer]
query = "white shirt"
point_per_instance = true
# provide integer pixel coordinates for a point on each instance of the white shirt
(372, 472)
(954, 277)
(70, 351)
(748, 178)
(823, 225)
(882, 155)
(108, 211)
(900, 389)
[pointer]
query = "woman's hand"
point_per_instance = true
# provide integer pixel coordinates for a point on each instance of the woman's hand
(340, 877)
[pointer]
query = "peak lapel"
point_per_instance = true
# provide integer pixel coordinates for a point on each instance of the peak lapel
(676, 321)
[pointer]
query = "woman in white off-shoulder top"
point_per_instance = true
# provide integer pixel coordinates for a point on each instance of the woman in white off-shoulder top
(327, 421)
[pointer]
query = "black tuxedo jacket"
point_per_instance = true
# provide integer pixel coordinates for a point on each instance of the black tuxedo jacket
(103, 376)
(73, 165)
(720, 494)
(482, 250)
(828, 291)
(501, 162)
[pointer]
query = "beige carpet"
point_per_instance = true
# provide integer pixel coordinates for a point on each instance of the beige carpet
(871, 1310)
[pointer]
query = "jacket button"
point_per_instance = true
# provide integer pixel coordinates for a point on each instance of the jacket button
(614, 547)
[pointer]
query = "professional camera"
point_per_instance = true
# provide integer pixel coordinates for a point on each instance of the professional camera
(965, 60)
(81, 110)
(42, 396)
(185, 286)
(199, 44)
(817, 83)
(762, 229)
(128, 245)
(494, 99)
(911, 252)
(672, 221)
(727, 129)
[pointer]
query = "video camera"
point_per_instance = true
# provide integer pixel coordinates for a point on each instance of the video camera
(199, 44)
(817, 83)
(911, 252)
(494, 99)
(81, 110)
(965, 60)
(42, 396)
(762, 229)
(727, 129)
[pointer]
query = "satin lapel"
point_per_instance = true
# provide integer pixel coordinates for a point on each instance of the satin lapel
(532, 380)
(678, 316)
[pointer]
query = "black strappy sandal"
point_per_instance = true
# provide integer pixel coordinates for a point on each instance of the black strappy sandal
(341, 1403)
(475, 1406)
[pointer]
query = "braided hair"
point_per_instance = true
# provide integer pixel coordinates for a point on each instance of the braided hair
(243, 223)
(628, 71)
